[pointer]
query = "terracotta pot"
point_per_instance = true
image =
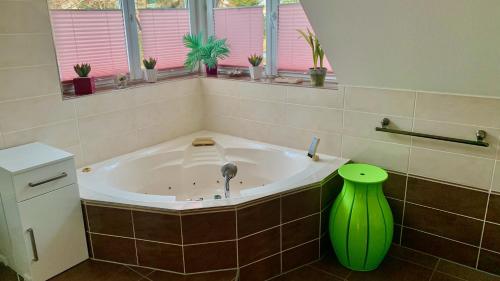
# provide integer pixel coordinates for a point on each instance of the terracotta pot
(211, 71)
(317, 76)
(84, 85)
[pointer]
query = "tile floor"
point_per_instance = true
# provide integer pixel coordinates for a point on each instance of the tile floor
(401, 264)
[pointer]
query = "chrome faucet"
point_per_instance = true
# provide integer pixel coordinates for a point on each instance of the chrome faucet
(228, 171)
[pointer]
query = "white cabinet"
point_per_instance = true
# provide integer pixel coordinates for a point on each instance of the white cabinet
(41, 223)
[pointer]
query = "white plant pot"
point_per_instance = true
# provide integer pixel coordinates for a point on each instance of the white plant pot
(255, 72)
(150, 75)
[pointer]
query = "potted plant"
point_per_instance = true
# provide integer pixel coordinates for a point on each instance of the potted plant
(255, 69)
(83, 84)
(150, 73)
(208, 53)
(318, 74)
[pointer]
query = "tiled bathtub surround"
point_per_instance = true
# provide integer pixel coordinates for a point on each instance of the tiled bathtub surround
(264, 238)
(441, 208)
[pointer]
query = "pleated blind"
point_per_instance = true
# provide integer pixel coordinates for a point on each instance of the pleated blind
(90, 36)
(294, 54)
(162, 32)
(244, 30)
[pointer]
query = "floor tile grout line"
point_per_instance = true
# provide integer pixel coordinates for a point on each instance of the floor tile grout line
(434, 270)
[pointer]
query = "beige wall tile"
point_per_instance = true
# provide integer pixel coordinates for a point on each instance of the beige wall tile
(63, 134)
(221, 105)
(34, 112)
(361, 124)
(2, 143)
(496, 178)
(384, 101)
(24, 17)
(260, 91)
(315, 97)
(314, 118)
(330, 143)
(102, 148)
(26, 50)
(224, 125)
(264, 111)
(480, 111)
(17, 83)
(76, 150)
(455, 131)
(106, 125)
(104, 103)
(386, 155)
(224, 87)
(263, 132)
(158, 133)
(462, 169)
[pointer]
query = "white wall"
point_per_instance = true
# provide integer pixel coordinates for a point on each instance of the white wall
(94, 127)
(430, 45)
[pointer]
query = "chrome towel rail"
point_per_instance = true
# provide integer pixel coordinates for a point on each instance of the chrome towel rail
(480, 135)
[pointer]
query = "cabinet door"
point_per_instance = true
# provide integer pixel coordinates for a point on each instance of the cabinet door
(53, 228)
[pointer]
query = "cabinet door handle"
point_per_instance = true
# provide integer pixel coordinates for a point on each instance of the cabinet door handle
(33, 244)
(62, 175)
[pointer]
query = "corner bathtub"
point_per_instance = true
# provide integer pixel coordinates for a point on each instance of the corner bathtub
(178, 176)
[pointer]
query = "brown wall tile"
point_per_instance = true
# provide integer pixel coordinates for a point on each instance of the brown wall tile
(330, 190)
(259, 246)
(395, 186)
(396, 236)
(209, 227)
(463, 272)
(110, 221)
(447, 197)
(157, 227)
(491, 237)
(84, 214)
(300, 231)
(115, 249)
(440, 247)
(397, 210)
(258, 217)
(261, 270)
(325, 220)
(211, 256)
(494, 209)
(489, 262)
(301, 255)
(162, 256)
(301, 204)
(443, 224)
(326, 247)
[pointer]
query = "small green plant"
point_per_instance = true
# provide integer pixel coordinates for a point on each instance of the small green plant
(317, 50)
(255, 60)
(82, 70)
(149, 63)
(208, 53)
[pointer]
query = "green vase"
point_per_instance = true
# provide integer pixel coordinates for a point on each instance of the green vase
(361, 223)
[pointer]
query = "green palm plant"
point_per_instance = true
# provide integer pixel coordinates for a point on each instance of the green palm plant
(208, 53)
(317, 50)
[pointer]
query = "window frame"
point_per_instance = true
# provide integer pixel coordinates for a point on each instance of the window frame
(272, 55)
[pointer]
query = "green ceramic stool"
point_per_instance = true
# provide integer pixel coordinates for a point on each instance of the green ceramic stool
(361, 223)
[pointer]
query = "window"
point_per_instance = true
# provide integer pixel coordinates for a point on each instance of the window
(98, 33)
(161, 27)
(242, 23)
(293, 52)
(267, 27)
(91, 33)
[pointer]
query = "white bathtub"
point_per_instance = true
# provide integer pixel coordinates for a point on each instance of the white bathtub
(175, 175)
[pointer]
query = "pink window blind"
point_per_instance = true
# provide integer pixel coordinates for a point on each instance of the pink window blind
(94, 37)
(244, 30)
(294, 53)
(162, 32)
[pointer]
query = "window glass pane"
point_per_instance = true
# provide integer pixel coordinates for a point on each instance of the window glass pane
(162, 25)
(89, 32)
(242, 22)
(294, 54)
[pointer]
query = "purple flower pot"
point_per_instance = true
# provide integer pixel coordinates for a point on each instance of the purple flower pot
(211, 71)
(84, 85)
